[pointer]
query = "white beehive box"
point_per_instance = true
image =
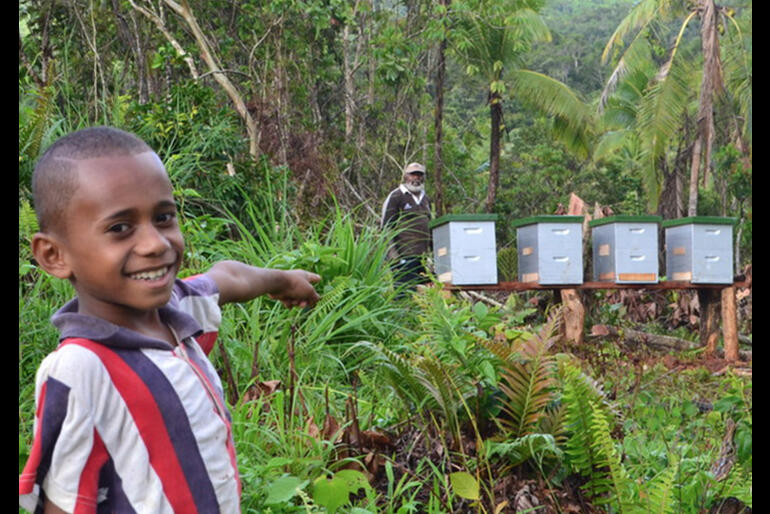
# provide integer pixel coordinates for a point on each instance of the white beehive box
(550, 249)
(699, 249)
(464, 251)
(625, 249)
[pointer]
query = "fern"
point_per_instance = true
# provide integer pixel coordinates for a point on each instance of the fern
(660, 492)
(527, 379)
(578, 397)
(614, 487)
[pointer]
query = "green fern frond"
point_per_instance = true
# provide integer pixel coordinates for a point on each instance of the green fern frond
(614, 487)
(27, 220)
(401, 374)
(35, 124)
(660, 492)
(528, 378)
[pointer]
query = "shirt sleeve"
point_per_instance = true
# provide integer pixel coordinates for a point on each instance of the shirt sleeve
(67, 452)
(390, 209)
(198, 296)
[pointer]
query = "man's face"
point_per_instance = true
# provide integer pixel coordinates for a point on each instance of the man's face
(122, 244)
(415, 178)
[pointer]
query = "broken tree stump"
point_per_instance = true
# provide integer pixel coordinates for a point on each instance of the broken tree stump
(574, 315)
(709, 300)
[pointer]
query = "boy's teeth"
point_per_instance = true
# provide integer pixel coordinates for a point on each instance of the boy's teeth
(150, 275)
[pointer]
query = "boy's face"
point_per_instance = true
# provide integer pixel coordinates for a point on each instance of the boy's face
(123, 247)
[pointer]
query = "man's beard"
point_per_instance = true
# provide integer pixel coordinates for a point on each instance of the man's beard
(415, 188)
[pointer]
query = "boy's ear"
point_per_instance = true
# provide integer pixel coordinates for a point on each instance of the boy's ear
(49, 254)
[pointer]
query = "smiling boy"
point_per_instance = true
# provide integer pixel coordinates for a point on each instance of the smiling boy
(130, 414)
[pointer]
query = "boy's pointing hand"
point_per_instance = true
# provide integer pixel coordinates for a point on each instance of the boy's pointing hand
(299, 291)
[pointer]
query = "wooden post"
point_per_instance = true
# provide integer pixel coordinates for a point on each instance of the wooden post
(708, 300)
(730, 323)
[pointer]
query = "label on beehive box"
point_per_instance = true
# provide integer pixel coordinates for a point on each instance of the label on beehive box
(445, 277)
(635, 277)
(604, 250)
(682, 275)
(527, 250)
(680, 250)
(610, 275)
(529, 277)
(442, 251)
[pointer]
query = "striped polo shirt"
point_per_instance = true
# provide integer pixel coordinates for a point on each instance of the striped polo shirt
(130, 424)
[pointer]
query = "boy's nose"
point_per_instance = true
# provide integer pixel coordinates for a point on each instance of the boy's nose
(152, 241)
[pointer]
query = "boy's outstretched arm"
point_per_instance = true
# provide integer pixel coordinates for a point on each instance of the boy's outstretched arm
(240, 282)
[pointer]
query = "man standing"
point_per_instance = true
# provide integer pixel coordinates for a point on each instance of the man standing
(407, 210)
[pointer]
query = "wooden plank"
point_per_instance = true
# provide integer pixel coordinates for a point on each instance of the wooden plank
(529, 286)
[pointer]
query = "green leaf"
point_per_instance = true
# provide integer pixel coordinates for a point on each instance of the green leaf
(284, 489)
(335, 492)
(464, 485)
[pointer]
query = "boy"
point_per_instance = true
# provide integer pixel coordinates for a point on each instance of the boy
(130, 414)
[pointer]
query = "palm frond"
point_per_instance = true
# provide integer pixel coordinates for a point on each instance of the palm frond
(610, 143)
(556, 99)
(641, 15)
(659, 120)
(636, 58)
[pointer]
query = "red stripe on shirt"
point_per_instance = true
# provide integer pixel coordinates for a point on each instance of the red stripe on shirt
(230, 444)
(206, 341)
(149, 423)
(27, 478)
(88, 488)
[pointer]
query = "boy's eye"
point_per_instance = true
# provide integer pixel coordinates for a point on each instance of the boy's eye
(165, 218)
(119, 228)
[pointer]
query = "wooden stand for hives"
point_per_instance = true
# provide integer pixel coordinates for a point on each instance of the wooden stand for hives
(707, 294)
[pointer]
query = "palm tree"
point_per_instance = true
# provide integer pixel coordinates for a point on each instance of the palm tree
(492, 40)
(665, 89)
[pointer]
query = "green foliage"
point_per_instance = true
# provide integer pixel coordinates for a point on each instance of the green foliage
(507, 264)
(465, 485)
(332, 493)
(527, 378)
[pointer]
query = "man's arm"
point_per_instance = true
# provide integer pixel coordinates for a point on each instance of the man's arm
(239, 282)
(390, 209)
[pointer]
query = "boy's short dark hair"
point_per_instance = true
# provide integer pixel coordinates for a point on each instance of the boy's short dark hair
(55, 180)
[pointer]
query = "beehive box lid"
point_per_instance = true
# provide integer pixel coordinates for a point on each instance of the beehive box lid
(461, 217)
(622, 218)
(548, 218)
(700, 220)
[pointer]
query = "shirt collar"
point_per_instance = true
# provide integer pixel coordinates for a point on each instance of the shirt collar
(73, 324)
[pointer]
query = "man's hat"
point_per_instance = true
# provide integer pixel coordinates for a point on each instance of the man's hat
(414, 167)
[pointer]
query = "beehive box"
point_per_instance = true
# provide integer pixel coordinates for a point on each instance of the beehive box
(699, 249)
(625, 249)
(464, 250)
(550, 249)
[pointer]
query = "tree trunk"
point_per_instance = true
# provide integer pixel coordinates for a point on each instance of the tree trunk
(711, 84)
(438, 164)
(496, 115)
(692, 206)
